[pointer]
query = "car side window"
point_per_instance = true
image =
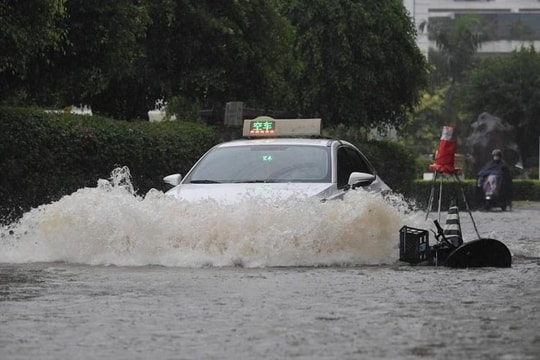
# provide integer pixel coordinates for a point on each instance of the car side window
(349, 160)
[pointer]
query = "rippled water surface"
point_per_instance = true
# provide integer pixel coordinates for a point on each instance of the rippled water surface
(106, 274)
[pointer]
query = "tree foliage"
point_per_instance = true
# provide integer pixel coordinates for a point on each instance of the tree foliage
(349, 61)
(359, 61)
(509, 87)
(457, 41)
(100, 58)
(28, 30)
(218, 51)
(421, 135)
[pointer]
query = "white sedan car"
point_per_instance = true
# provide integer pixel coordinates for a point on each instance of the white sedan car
(280, 159)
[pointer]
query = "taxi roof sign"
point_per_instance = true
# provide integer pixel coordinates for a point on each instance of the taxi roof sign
(265, 126)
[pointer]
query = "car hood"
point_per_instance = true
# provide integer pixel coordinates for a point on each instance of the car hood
(231, 193)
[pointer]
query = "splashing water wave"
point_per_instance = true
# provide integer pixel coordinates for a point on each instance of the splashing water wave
(110, 224)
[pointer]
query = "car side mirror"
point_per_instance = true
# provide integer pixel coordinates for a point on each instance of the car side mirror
(360, 179)
(173, 179)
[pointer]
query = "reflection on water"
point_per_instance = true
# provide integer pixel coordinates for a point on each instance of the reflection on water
(361, 312)
(20, 284)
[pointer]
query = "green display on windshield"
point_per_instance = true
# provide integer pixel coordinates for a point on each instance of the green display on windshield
(262, 127)
(267, 158)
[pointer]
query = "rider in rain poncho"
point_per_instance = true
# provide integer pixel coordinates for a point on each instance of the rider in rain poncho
(495, 179)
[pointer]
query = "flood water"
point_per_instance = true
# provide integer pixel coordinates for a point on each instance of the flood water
(103, 273)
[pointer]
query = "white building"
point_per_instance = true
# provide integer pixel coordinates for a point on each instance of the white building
(510, 23)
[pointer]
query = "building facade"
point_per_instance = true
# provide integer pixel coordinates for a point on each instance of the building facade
(509, 24)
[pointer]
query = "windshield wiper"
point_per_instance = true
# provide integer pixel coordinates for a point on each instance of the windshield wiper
(256, 181)
(204, 182)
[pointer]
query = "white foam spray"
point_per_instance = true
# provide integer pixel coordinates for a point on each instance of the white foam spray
(110, 225)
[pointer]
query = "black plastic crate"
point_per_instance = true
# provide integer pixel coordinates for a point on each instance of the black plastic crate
(413, 245)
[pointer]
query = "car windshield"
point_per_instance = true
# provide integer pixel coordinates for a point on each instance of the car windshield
(263, 163)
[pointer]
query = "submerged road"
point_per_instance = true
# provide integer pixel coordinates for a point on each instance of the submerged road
(65, 310)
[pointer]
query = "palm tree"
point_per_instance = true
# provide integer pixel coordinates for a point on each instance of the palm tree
(457, 42)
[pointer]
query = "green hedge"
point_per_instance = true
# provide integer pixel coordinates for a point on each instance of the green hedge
(393, 162)
(45, 156)
(524, 190)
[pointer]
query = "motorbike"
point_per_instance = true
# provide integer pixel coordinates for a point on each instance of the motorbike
(494, 191)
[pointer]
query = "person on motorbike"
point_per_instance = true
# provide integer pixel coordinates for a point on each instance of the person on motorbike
(495, 182)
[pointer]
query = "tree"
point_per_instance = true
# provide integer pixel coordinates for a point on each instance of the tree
(422, 134)
(93, 61)
(359, 63)
(102, 51)
(353, 62)
(28, 30)
(509, 87)
(458, 41)
(219, 50)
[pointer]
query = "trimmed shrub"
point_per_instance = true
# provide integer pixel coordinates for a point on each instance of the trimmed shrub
(393, 162)
(46, 156)
(524, 190)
